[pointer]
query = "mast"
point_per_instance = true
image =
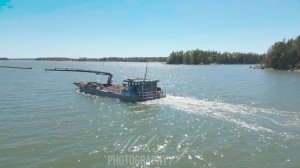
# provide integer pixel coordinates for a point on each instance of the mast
(146, 72)
(144, 79)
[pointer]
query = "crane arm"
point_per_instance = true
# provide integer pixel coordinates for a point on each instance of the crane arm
(109, 80)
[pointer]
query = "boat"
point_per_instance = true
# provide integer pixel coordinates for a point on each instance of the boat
(131, 90)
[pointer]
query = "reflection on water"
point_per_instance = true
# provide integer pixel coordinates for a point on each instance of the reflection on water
(213, 116)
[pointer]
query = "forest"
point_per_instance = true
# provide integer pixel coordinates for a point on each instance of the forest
(283, 55)
(209, 57)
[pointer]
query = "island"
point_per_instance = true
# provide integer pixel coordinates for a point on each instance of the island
(283, 55)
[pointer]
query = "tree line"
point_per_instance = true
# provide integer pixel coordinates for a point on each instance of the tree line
(55, 59)
(284, 55)
(209, 57)
(106, 59)
(125, 59)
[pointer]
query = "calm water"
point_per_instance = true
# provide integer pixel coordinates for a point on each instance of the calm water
(213, 116)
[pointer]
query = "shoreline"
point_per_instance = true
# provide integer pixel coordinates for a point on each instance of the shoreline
(261, 66)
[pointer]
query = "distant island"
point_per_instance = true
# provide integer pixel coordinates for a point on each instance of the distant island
(283, 55)
(108, 59)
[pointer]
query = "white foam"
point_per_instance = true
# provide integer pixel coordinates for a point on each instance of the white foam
(241, 115)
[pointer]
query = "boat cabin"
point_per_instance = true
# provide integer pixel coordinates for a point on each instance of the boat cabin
(140, 85)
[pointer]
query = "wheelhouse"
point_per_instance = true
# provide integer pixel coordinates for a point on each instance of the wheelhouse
(140, 85)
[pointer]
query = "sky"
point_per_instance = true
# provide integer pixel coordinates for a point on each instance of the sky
(142, 28)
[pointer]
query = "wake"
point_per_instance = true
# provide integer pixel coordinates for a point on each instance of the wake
(244, 116)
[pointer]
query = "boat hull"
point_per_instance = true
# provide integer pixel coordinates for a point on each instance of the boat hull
(123, 97)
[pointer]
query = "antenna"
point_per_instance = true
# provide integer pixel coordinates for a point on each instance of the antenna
(146, 71)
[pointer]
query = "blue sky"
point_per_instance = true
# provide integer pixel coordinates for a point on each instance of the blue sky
(129, 28)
